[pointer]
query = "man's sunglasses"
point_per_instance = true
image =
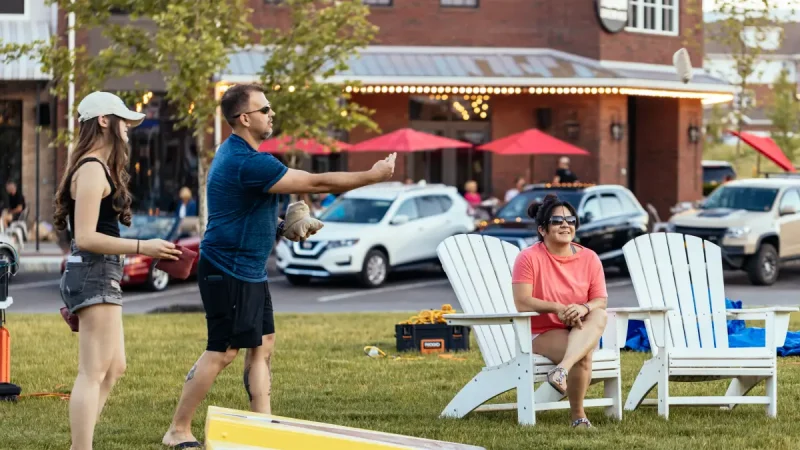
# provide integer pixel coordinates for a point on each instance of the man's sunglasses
(264, 110)
(558, 220)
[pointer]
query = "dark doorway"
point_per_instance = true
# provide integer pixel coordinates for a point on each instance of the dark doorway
(10, 144)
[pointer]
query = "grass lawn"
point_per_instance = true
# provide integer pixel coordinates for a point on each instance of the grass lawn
(322, 374)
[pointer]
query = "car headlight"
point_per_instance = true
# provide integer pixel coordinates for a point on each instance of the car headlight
(737, 232)
(133, 260)
(342, 243)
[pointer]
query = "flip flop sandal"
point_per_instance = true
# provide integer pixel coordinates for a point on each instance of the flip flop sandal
(557, 380)
(188, 444)
(583, 422)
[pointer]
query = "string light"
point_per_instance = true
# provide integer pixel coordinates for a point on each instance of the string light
(476, 94)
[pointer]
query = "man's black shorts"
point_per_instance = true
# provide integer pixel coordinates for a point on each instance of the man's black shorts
(238, 313)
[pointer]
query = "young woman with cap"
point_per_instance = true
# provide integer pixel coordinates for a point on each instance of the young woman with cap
(91, 200)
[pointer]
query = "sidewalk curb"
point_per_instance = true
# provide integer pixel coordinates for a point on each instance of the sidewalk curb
(40, 264)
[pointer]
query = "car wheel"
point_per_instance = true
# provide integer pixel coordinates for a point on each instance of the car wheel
(157, 280)
(762, 268)
(299, 280)
(375, 269)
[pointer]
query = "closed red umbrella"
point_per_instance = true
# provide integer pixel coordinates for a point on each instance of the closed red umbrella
(283, 144)
(767, 147)
(532, 142)
(407, 140)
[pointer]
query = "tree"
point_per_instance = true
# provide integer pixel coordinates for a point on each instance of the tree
(783, 112)
(188, 45)
(747, 30)
(716, 124)
(317, 45)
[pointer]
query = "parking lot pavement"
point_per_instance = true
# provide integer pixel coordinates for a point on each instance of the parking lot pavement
(406, 291)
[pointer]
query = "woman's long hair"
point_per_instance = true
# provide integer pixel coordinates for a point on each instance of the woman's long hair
(90, 132)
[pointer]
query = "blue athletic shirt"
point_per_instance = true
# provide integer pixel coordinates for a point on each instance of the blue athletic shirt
(242, 215)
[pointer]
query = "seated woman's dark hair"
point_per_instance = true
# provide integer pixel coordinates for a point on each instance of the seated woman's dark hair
(542, 212)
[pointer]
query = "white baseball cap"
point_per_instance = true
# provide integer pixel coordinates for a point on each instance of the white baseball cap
(105, 103)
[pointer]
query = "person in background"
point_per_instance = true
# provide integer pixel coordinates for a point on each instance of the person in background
(188, 206)
(14, 205)
(471, 193)
(519, 185)
(408, 180)
(563, 173)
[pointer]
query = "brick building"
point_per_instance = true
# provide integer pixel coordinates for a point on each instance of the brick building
(23, 86)
(480, 71)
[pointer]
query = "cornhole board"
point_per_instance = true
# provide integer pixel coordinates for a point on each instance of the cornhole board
(231, 429)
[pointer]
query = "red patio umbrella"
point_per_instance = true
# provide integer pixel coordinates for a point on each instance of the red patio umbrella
(767, 147)
(407, 140)
(312, 147)
(532, 142)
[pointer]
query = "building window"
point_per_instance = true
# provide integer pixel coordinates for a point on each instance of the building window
(377, 2)
(12, 7)
(459, 3)
(654, 16)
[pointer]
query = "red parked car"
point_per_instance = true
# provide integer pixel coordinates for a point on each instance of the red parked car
(139, 269)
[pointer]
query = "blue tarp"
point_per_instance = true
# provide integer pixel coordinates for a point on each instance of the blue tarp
(738, 335)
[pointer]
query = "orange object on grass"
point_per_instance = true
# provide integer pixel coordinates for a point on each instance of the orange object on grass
(5, 355)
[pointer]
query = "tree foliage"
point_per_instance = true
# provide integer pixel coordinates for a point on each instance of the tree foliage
(784, 112)
(747, 31)
(189, 42)
(304, 59)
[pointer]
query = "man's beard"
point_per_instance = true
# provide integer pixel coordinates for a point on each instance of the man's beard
(266, 135)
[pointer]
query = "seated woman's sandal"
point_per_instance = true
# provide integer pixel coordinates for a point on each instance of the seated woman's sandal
(583, 422)
(558, 379)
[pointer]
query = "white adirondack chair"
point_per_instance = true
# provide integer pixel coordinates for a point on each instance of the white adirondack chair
(690, 342)
(479, 269)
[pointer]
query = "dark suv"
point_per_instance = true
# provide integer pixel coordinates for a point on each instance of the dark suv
(610, 216)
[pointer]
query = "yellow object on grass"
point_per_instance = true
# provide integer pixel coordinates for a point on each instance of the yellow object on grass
(430, 316)
(229, 429)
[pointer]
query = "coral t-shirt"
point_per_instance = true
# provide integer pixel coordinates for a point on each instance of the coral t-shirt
(567, 280)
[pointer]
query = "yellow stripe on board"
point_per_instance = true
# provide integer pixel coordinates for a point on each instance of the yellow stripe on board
(229, 429)
(282, 437)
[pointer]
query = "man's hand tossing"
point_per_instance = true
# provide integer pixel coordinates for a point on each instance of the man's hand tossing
(384, 169)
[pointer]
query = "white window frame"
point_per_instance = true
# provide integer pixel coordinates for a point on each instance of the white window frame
(24, 16)
(378, 3)
(659, 6)
(475, 6)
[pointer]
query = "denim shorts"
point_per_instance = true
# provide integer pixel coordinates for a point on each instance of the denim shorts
(91, 279)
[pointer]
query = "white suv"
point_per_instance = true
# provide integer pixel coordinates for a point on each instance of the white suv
(373, 229)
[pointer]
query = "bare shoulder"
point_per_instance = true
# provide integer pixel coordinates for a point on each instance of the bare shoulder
(90, 175)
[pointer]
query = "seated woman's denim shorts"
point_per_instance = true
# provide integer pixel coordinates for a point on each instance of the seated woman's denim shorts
(91, 279)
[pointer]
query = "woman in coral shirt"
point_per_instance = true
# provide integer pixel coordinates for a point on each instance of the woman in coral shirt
(564, 282)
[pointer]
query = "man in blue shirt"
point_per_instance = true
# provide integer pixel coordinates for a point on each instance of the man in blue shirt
(243, 192)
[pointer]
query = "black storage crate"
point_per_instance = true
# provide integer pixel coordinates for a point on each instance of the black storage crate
(431, 337)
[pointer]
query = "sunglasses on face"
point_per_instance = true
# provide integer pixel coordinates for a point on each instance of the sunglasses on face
(264, 110)
(558, 220)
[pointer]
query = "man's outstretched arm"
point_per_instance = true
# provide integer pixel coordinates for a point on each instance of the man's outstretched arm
(302, 182)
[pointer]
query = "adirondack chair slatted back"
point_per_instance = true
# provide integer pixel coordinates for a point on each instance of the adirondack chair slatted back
(479, 269)
(685, 273)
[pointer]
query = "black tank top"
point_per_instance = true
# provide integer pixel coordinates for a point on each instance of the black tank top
(108, 220)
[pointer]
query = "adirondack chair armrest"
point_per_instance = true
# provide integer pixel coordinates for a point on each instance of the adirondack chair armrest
(776, 320)
(624, 314)
(485, 319)
(521, 322)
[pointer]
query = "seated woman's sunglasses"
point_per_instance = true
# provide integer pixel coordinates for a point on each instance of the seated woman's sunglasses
(558, 220)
